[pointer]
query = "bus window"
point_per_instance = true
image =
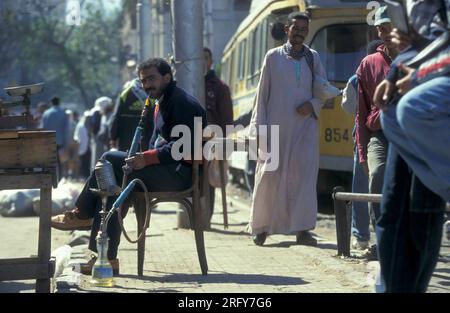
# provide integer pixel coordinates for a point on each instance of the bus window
(264, 35)
(262, 49)
(226, 71)
(259, 51)
(254, 58)
(241, 63)
(252, 51)
(232, 70)
(341, 48)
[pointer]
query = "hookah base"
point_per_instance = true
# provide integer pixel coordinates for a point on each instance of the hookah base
(102, 276)
(102, 282)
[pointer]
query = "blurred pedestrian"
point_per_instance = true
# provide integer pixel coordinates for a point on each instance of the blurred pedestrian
(219, 107)
(371, 142)
(97, 122)
(40, 109)
(55, 118)
(106, 110)
(81, 136)
(360, 210)
(126, 116)
(71, 166)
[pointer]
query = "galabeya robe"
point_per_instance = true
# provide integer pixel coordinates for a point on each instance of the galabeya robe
(285, 200)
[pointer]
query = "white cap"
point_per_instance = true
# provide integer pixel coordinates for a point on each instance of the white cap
(103, 103)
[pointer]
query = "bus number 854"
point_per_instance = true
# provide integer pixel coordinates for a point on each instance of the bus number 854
(336, 135)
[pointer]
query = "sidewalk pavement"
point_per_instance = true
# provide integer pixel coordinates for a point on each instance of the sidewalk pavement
(236, 264)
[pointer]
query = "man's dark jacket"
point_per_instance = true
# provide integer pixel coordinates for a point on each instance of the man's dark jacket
(177, 107)
(219, 107)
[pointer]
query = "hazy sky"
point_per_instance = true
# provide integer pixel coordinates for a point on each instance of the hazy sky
(75, 17)
(112, 4)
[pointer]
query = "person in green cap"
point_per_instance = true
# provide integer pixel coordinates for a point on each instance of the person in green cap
(371, 143)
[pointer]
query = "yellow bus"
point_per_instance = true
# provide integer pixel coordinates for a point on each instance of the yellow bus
(339, 32)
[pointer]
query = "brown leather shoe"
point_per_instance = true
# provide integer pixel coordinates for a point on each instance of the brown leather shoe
(70, 221)
(86, 268)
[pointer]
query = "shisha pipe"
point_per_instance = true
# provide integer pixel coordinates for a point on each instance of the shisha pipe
(102, 272)
(128, 169)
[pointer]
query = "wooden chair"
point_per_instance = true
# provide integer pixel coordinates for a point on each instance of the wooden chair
(190, 201)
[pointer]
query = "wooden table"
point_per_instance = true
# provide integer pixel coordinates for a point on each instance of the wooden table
(28, 161)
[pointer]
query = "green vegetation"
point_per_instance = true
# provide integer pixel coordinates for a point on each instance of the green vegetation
(77, 62)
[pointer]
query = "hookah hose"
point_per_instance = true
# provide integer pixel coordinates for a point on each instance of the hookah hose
(120, 200)
(126, 170)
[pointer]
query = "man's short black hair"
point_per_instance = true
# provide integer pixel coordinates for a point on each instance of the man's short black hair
(160, 64)
(54, 100)
(206, 49)
(294, 16)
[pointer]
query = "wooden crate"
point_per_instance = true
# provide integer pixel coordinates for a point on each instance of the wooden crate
(16, 122)
(27, 149)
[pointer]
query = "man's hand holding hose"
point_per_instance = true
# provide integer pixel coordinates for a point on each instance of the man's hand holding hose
(136, 162)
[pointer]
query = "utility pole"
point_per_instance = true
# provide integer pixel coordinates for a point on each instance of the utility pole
(144, 13)
(209, 29)
(189, 63)
(188, 46)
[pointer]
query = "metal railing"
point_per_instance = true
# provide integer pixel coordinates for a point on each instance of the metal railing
(343, 215)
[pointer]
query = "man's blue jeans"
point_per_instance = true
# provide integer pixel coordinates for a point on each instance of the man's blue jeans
(360, 210)
(410, 228)
(420, 130)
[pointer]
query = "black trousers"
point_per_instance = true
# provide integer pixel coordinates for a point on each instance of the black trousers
(85, 164)
(159, 177)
